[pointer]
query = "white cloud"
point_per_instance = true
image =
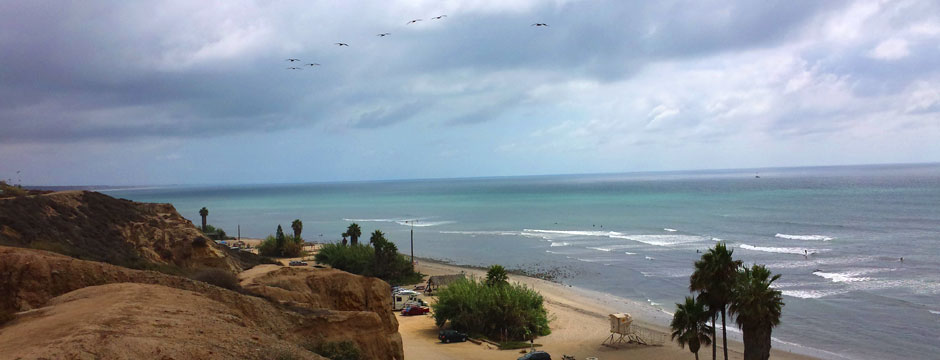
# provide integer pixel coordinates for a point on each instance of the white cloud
(891, 49)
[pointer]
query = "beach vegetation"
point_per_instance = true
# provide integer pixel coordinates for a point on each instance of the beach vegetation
(496, 275)
(512, 312)
(203, 213)
(513, 345)
(7, 190)
(714, 277)
(690, 325)
(757, 307)
(215, 233)
(298, 227)
(354, 232)
(380, 259)
(281, 245)
(335, 350)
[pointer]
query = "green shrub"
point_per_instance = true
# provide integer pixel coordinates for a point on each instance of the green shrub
(268, 247)
(218, 277)
(288, 246)
(507, 312)
(335, 350)
(361, 259)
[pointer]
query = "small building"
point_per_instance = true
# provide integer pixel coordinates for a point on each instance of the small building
(437, 281)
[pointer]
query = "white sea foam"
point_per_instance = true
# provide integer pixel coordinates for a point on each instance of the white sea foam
(670, 230)
(539, 232)
(630, 253)
(370, 220)
(782, 250)
(656, 240)
(600, 249)
(554, 244)
(423, 223)
(934, 312)
(716, 239)
(804, 237)
(649, 258)
(475, 233)
(811, 294)
(848, 276)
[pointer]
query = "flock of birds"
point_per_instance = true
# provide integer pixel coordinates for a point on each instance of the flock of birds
(341, 44)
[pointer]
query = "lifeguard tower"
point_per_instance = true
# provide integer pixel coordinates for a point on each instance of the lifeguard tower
(624, 331)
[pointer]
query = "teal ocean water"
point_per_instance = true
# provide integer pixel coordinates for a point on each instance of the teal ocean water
(836, 234)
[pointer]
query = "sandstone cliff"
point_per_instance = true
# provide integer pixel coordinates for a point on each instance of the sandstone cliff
(70, 308)
(94, 226)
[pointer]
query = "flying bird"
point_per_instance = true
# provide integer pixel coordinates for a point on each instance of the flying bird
(341, 44)
(413, 21)
(313, 64)
(540, 24)
(292, 59)
(384, 34)
(294, 68)
(439, 17)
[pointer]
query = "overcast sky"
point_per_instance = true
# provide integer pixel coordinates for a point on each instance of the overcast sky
(170, 92)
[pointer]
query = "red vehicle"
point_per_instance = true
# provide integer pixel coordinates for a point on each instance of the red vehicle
(415, 310)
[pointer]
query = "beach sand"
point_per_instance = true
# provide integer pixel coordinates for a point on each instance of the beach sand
(579, 327)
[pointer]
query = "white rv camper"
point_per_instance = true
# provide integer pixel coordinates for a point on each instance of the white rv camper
(402, 298)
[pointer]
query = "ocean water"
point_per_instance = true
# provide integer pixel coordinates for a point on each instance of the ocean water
(836, 234)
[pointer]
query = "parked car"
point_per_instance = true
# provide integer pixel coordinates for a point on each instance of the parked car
(448, 336)
(297, 263)
(536, 355)
(415, 310)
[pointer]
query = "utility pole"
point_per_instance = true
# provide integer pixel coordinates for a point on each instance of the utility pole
(412, 240)
(239, 232)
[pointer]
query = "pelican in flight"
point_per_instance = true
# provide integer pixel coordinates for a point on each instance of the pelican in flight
(439, 17)
(540, 24)
(292, 59)
(294, 68)
(384, 34)
(413, 21)
(341, 44)
(313, 64)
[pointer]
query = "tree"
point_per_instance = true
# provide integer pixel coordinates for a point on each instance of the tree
(690, 325)
(757, 306)
(298, 226)
(204, 213)
(385, 254)
(354, 233)
(279, 238)
(344, 238)
(715, 276)
(496, 275)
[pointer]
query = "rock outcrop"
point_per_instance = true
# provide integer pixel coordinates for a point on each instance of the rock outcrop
(93, 226)
(359, 306)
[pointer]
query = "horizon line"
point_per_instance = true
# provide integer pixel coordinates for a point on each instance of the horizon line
(140, 186)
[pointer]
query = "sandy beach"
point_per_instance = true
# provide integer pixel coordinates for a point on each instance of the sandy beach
(578, 329)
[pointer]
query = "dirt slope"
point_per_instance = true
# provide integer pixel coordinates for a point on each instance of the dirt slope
(57, 285)
(93, 226)
(136, 321)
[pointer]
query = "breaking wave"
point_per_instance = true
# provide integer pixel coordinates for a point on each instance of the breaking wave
(782, 250)
(670, 230)
(804, 237)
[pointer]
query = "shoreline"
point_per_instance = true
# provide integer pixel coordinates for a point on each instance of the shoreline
(585, 311)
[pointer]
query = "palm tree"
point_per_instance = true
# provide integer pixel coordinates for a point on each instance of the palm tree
(714, 276)
(354, 233)
(690, 325)
(496, 275)
(344, 238)
(757, 306)
(203, 212)
(298, 226)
